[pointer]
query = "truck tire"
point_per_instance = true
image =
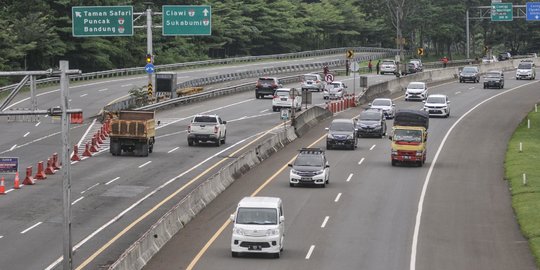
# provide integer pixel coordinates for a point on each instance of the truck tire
(115, 150)
(224, 138)
(144, 149)
(151, 148)
(218, 142)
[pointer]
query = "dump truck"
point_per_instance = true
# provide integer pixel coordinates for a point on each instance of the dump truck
(409, 137)
(133, 132)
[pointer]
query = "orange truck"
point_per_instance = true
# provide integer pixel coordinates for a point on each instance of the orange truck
(134, 132)
(409, 137)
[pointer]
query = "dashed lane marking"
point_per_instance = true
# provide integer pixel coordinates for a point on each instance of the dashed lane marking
(350, 177)
(31, 227)
(338, 197)
(172, 150)
(146, 163)
(362, 160)
(84, 95)
(38, 123)
(373, 146)
(26, 134)
(86, 190)
(108, 183)
(324, 222)
(104, 89)
(310, 251)
(77, 200)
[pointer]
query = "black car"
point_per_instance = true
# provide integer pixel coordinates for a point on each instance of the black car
(371, 123)
(470, 74)
(266, 86)
(341, 133)
(494, 79)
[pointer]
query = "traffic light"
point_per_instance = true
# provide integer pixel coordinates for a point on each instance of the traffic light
(149, 58)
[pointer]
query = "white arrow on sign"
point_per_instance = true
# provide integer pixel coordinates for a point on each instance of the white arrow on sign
(78, 14)
(205, 12)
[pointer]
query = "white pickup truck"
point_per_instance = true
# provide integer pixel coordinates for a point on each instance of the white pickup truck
(207, 128)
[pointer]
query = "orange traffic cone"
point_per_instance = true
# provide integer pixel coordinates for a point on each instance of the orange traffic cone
(75, 156)
(50, 168)
(2, 187)
(87, 152)
(16, 184)
(40, 175)
(29, 180)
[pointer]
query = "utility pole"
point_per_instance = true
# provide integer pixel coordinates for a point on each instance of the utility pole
(149, 48)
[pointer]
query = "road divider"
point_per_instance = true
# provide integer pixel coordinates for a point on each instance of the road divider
(140, 252)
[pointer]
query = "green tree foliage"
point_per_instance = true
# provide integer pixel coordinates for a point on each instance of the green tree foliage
(35, 35)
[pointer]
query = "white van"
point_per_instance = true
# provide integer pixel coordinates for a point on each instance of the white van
(258, 226)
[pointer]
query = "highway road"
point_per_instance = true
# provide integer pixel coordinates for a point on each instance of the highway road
(114, 198)
(453, 213)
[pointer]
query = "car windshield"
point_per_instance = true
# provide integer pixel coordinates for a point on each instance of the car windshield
(525, 66)
(259, 216)
(341, 126)
(336, 85)
(436, 100)
(205, 119)
(282, 93)
(493, 75)
(469, 70)
(370, 116)
(266, 81)
(388, 63)
(382, 102)
(408, 135)
(309, 160)
(416, 86)
(310, 77)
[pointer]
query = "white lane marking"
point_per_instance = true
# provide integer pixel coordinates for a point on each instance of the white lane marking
(361, 160)
(372, 147)
(471, 88)
(420, 208)
(126, 85)
(13, 147)
(337, 197)
(457, 93)
(86, 190)
(324, 222)
(77, 200)
(146, 163)
(71, 87)
(86, 133)
(350, 177)
(70, 100)
(119, 216)
(249, 117)
(38, 123)
(46, 115)
(112, 181)
(33, 226)
(172, 150)
(263, 111)
(308, 255)
(104, 89)
(26, 134)
(1, 236)
(84, 95)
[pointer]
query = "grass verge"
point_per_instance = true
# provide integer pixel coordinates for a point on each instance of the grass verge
(526, 198)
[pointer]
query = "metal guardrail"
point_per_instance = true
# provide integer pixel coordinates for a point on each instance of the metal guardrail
(131, 102)
(224, 61)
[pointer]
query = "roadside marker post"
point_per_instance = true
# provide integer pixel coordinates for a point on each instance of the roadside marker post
(520, 147)
(524, 179)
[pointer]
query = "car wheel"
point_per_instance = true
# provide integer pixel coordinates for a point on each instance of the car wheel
(218, 142)
(190, 142)
(234, 254)
(323, 185)
(277, 255)
(328, 146)
(274, 109)
(224, 138)
(291, 185)
(257, 96)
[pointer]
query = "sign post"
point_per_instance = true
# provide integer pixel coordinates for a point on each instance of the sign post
(102, 21)
(184, 20)
(501, 12)
(355, 67)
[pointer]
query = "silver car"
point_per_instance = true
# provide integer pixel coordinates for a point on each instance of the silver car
(388, 66)
(526, 70)
(385, 105)
(312, 82)
(335, 90)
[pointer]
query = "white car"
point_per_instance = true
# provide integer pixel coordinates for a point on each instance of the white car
(437, 105)
(388, 66)
(335, 90)
(416, 91)
(526, 70)
(312, 82)
(385, 105)
(286, 98)
(258, 226)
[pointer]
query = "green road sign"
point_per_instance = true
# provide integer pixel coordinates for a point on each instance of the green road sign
(102, 21)
(502, 12)
(181, 20)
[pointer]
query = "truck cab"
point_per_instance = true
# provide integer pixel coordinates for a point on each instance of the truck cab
(409, 137)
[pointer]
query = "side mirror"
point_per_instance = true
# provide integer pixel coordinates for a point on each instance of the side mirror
(393, 104)
(448, 102)
(327, 166)
(224, 122)
(231, 217)
(369, 104)
(290, 165)
(356, 129)
(281, 219)
(423, 101)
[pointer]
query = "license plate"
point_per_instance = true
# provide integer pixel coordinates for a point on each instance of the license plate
(306, 179)
(283, 99)
(255, 248)
(406, 157)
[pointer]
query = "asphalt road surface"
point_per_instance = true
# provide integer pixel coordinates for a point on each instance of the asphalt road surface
(366, 218)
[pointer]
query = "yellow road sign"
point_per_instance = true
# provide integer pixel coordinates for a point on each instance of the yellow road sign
(350, 54)
(420, 51)
(150, 90)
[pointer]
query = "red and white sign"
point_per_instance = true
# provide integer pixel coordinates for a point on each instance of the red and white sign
(329, 78)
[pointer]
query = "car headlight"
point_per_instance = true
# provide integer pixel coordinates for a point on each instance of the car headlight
(349, 137)
(319, 172)
(329, 136)
(295, 172)
(271, 232)
(419, 153)
(239, 231)
(394, 152)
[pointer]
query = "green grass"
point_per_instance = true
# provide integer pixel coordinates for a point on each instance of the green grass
(526, 198)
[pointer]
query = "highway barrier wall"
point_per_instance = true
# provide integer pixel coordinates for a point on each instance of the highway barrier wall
(140, 252)
(175, 219)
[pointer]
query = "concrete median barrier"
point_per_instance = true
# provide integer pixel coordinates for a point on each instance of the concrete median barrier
(140, 252)
(309, 118)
